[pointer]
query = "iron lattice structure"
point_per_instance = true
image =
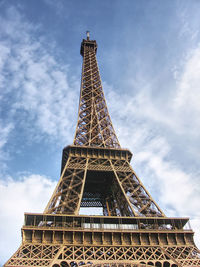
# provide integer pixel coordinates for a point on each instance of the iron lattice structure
(96, 172)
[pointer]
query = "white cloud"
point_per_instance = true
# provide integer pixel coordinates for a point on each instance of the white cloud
(58, 7)
(44, 94)
(4, 53)
(177, 188)
(5, 130)
(28, 194)
(196, 228)
(187, 97)
(178, 111)
(47, 94)
(39, 89)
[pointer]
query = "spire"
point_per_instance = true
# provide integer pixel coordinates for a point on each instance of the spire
(88, 35)
(94, 127)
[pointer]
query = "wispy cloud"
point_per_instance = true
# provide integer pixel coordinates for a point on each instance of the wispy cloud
(187, 97)
(43, 91)
(58, 6)
(5, 131)
(36, 94)
(27, 194)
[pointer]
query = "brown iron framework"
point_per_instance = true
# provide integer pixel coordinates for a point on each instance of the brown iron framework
(96, 172)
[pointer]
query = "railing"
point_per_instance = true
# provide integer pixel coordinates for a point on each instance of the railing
(106, 223)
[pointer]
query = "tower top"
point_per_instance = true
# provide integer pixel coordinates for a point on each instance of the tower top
(94, 127)
(88, 44)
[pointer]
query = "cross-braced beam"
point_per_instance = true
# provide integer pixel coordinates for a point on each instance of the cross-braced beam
(94, 127)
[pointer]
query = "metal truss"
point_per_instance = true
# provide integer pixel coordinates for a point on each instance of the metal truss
(94, 127)
(96, 172)
(185, 255)
(33, 255)
(126, 195)
(58, 256)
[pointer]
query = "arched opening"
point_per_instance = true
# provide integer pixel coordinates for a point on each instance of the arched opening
(166, 264)
(73, 264)
(81, 263)
(64, 264)
(150, 263)
(158, 264)
(56, 265)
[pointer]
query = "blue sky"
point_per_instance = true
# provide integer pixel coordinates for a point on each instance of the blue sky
(149, 60)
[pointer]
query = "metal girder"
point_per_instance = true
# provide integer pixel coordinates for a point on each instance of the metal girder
(119, 189)
(94, 127)
(72, 255)
(96, 172)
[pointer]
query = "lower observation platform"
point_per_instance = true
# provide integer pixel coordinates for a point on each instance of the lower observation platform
(106, 230)
(72, 241)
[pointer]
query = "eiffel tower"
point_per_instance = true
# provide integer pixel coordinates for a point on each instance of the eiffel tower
(96, 172)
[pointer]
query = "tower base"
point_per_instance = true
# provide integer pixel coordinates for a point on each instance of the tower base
(67, 240)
